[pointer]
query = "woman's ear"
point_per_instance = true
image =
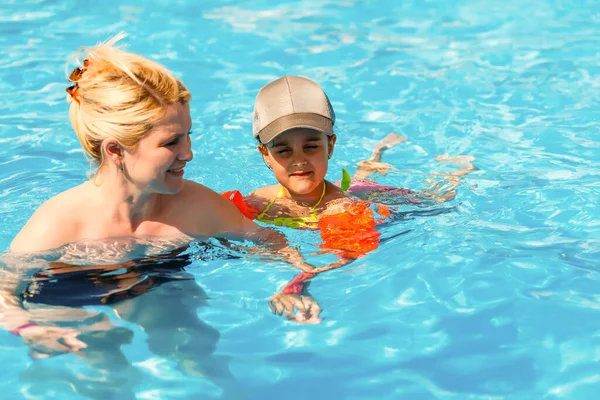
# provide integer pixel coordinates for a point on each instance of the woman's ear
(331, 145)
(113, 152)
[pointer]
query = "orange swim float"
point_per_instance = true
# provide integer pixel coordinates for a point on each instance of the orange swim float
(236, 197)
(352, 231)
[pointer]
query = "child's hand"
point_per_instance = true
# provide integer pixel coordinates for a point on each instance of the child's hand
(306, 307)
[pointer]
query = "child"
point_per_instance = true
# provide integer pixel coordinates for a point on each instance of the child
(293, 122)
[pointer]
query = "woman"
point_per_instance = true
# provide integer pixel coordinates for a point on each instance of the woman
(132, 118)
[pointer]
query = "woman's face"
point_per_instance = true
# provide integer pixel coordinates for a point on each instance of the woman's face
(299, 158)
(157, 163)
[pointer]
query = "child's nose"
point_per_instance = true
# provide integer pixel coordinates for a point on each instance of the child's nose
(299, 161)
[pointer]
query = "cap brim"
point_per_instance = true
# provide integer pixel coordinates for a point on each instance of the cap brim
(287, 122)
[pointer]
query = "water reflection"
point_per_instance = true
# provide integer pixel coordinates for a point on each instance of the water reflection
(157, 294)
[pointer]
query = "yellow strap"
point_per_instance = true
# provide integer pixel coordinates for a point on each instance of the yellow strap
(292, 222)
(320, 198)
(261, 216)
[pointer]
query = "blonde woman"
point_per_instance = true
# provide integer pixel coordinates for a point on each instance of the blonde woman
(132, 118)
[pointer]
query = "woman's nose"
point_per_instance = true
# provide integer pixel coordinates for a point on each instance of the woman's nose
(186, 154)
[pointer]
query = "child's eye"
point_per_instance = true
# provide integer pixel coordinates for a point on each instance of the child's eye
(311, 147)
(283, 151)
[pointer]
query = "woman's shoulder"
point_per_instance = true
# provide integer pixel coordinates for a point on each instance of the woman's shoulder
(193, 196)
(199, 210)
(192, 190)
(53, 223)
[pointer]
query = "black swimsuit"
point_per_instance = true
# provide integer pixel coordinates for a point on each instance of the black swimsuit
(99, 286)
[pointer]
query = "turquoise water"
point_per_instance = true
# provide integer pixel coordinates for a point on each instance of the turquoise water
(497, 298)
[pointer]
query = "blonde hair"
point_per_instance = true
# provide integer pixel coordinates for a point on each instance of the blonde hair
(120, 95)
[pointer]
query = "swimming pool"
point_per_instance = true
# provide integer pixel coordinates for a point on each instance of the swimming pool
(497, 298)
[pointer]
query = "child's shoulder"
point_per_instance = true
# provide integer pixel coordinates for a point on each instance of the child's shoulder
(334, 193)
(266, 192)
(259, 198)
(337, 205)
(336, 200)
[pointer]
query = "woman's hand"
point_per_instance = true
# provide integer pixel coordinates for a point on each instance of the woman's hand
(48, 341)
(307, 308)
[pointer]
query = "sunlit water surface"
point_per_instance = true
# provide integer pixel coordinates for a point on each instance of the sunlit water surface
(497, 298)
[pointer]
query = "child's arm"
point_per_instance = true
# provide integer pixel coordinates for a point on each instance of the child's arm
(301, 281)
(295, 297)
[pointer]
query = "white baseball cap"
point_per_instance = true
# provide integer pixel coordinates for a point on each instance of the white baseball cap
(291, 102)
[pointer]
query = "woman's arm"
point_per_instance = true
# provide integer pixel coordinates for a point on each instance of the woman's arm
(12, 316)
(270, 242)
(42, 339)
(214, 215)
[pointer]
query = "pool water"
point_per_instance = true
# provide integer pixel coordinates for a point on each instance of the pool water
(494, 297)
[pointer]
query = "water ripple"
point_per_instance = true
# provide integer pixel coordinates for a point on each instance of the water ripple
(477, 303)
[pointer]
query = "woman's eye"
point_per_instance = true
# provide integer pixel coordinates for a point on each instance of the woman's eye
(177, 139)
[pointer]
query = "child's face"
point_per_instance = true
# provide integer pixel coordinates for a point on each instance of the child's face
(299, 158)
